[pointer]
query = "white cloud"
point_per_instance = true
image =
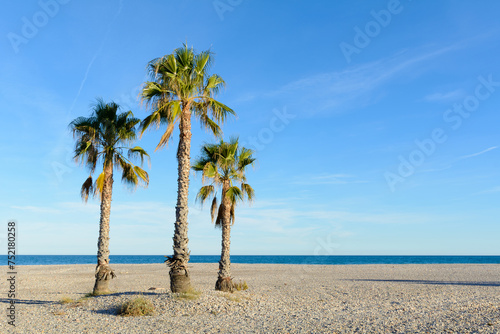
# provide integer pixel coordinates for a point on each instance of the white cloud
(450, 164)
(489, 191)
(478, 153)
(445, 97)
(326, 179)
(354, 86)
(36, 209)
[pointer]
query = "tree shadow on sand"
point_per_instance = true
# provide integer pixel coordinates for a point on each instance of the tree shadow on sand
(28, 302)
(49, 302)
(429, 282)
(130, 293)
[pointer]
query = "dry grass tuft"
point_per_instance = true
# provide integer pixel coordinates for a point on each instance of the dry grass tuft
(66, 300)
(241, 286)
(137, 307)
(191, 294)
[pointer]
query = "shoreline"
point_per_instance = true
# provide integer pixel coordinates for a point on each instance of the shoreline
(282, 298)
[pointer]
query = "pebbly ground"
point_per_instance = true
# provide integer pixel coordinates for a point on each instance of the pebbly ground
(423, 298)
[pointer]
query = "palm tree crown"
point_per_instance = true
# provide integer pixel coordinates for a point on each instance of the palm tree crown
(101, 137)
(224, 164)
(180, 82)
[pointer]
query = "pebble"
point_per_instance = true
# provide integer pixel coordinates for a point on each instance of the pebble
(451, 298)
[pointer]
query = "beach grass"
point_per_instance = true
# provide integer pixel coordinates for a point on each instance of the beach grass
(139, 306)
(241, 286)
(191, 294)
(66, 300)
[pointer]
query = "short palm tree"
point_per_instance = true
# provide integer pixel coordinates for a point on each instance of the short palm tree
(101, 138)
(224, 165)
(181, 87)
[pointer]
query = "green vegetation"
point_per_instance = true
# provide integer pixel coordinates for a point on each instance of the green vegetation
(66, 300)
(241, 286)
(136, 307)
(190, 294)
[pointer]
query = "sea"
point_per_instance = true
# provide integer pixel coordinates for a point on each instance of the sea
(261, 259)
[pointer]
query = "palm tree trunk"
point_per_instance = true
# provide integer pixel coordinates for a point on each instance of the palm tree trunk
(103, 272)
(224, 281)
(179, 274)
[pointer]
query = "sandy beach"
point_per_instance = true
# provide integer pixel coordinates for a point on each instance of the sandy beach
(424, 298)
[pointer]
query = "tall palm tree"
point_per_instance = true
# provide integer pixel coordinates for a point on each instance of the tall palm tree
(224, 164)
(102, 138)
(180, 87)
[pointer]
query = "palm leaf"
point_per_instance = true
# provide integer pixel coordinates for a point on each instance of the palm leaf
(213, 208)
(248, 191)
(87, 188)
(231, 219)
(234, 194)
(166, 136)
(220, 216)
(99, 185)
(142, 174)
(204, 193)
(138, 152)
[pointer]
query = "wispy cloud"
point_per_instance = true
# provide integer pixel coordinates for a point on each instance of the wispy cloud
(491, 191)
(37, 209)
(445, 97)
(478, 153)
(326, 179)
(354, 86)
(464, 157)
(433, 170)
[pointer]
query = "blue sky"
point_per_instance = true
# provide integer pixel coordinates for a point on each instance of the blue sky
(375, 124)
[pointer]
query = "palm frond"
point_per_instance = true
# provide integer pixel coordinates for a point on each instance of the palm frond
(234, 194)
(99, 185)
(87, 189)
(213, 208)
(204, 193)
(219, 111)
(247, 190)
(166, 136)
(142, 175)
(213, 85)
(220, 216)
(138, 152)
(129, 177)
(231, 219)
(210, 171)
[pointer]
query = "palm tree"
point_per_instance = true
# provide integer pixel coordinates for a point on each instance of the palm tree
(101, 138)
(224, 164)
(180, 86)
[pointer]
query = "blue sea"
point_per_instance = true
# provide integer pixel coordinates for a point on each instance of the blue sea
(271, 259)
